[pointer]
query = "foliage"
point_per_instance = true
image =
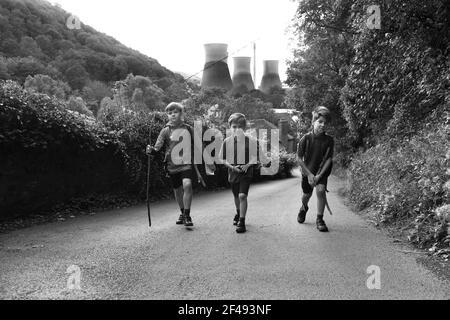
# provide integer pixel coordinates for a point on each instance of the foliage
(35, 40)
(398, 77)
(49, 154)
(45, 84)
(254, 108)
(407, 180)
(77, 104)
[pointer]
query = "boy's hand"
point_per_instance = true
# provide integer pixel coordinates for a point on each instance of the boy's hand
(311, 180)
(149, 150)
(245, 167)
(316, 179)
(237, 169)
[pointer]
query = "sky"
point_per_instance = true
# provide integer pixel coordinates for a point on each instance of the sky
(174, 31)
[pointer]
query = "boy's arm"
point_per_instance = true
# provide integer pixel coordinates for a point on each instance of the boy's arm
(300, 154)
(223, 160)
(159, 142)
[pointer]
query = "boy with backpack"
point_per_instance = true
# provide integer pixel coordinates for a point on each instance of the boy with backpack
(180, 174)
(315, 154)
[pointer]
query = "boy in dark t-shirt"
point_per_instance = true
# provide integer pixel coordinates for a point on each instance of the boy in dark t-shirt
(315, 153)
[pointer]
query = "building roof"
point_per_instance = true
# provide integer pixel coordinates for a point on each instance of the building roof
(264, 124)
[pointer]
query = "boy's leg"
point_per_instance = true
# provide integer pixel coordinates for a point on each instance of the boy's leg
(321, 198)
(237, 203)
(179, 196)
(243, 205)
(244, 187)
(187, 201)
(187, 193)
(307, 194)
(320, 192)
(177, 186)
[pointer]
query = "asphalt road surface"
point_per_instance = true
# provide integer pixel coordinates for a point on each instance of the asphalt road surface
(119, 257)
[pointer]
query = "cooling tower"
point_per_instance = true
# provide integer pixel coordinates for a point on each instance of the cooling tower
(242, 78)
(216, 73)
(271, 78)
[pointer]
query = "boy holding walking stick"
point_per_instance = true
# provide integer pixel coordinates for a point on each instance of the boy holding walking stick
(180, 174)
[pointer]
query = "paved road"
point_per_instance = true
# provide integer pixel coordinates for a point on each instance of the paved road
(120, 258)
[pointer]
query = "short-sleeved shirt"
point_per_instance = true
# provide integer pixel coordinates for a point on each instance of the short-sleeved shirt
(314, 150)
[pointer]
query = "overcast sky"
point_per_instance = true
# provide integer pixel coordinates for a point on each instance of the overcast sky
(174, 31)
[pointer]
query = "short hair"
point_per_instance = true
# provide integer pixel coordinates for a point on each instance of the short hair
(238, 118)
(321, 112)
(175, 106)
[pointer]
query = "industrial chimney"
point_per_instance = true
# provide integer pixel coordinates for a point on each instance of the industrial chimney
(216, 73)
(271, 78)
(242, 78)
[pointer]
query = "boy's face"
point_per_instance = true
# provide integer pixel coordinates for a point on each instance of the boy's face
(320, 125)
(235, 128)
(174, 115)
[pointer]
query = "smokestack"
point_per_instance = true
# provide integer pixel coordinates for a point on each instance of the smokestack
(216, 73)
(242, 78)
(271, 78)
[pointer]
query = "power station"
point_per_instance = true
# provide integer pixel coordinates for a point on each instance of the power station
(216, 72)
(271, 78)
(242, 77)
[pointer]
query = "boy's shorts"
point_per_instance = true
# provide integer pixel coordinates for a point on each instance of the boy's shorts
(241, 187)
(306, 187)
(176, 179)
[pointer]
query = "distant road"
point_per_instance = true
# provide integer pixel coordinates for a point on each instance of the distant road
(121, 258)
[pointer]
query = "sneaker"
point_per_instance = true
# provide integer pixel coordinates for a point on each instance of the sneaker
(302, 214)
(241, 226)
(236, 220)
(180, 219)
(188, 221)
(321, 226)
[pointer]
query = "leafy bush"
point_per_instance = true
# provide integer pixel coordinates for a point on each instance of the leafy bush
(48, 154)
(407, 180)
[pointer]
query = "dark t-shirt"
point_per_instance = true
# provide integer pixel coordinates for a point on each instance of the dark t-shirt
(314, 150)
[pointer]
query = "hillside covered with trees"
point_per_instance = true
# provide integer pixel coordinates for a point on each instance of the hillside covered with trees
(39, 50)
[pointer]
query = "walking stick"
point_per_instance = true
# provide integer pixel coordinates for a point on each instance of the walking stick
(148, 181)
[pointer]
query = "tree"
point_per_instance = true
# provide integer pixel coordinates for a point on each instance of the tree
(4, 75)
(10, 47)
(21, 68)
(45, 84)
(45, 44)
(29, 47)
(77, 104)
(76, 76)
(151, 96)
